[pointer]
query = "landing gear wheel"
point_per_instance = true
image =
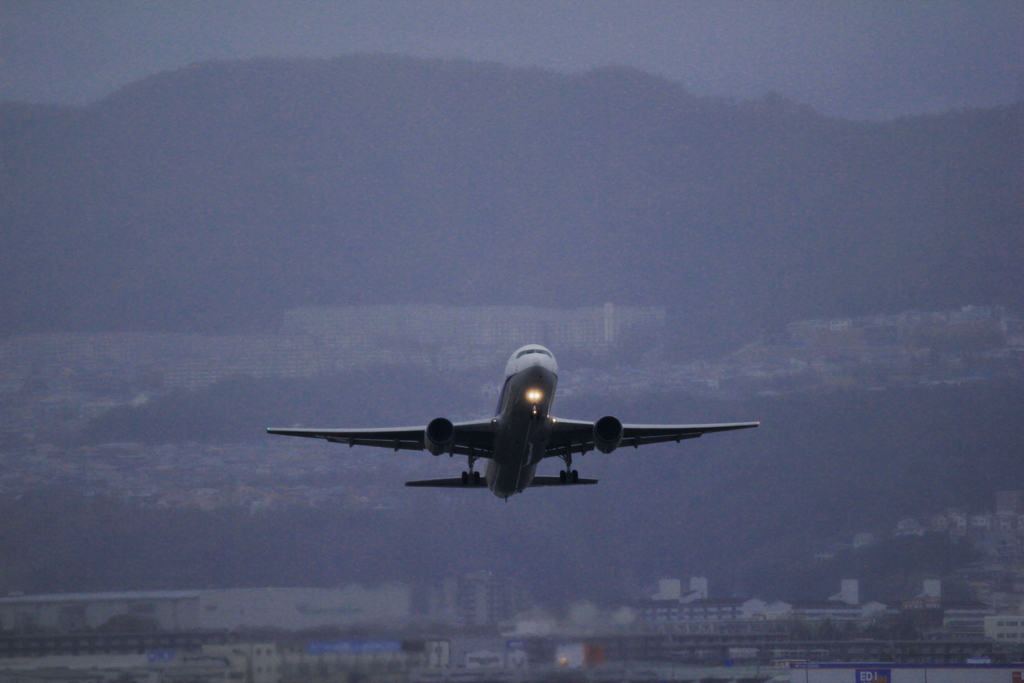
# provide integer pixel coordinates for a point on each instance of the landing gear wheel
(568, 475)
(476, 477)
(465, 478)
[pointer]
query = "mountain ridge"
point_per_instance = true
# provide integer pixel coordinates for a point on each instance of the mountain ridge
(212, 198)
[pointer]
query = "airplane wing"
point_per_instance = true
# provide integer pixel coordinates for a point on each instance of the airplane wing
(577, 436)
(471, 438)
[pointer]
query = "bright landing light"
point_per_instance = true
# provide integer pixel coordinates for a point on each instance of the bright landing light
(534, 395)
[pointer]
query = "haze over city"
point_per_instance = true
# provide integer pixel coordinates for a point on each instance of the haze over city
(224, 217)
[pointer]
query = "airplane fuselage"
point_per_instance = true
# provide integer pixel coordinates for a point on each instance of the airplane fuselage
(523, 423)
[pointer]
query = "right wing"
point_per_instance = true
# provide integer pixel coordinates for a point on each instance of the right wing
(577, 436)
(471, 438)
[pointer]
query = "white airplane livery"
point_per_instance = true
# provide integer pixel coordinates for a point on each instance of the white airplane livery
(521, 434)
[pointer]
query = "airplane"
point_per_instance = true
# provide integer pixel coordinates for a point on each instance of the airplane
(521, 434)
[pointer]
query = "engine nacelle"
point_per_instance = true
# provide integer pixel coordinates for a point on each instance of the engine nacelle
(607, 434)
(439, 436)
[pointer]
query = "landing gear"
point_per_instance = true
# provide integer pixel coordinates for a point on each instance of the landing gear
(471, 477)
(568, 475)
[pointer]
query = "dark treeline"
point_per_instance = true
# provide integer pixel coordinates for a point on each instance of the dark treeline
(217, 196)
(64, 542)
(748, 509)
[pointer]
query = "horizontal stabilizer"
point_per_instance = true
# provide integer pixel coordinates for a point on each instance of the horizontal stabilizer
(556, 481)
(455, 483)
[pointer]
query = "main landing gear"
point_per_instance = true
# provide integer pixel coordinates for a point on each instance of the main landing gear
(568, 475)
(471, 477)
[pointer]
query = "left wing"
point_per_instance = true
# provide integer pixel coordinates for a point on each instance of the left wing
(471, 438)
(577, 436)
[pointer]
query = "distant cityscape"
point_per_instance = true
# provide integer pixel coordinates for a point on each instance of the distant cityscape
(480, 627)
(59, 382)
(205, 476)
(997, 579)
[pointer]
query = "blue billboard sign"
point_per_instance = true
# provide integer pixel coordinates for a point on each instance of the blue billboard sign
(154, 656)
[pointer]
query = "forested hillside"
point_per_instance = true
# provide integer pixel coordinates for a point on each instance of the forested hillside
(747, 509)
(216, 196)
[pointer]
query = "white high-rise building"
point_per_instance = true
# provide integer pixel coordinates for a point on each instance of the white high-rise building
(849, 592)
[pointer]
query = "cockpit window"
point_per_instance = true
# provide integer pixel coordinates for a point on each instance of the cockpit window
(528, 351)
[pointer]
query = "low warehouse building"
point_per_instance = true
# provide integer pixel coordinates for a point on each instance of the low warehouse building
(227, 609)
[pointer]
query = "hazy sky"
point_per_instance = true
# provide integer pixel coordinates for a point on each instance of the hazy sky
(856, 59)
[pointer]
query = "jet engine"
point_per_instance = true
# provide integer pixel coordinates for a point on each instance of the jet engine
(439, 436)
(607, 434)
